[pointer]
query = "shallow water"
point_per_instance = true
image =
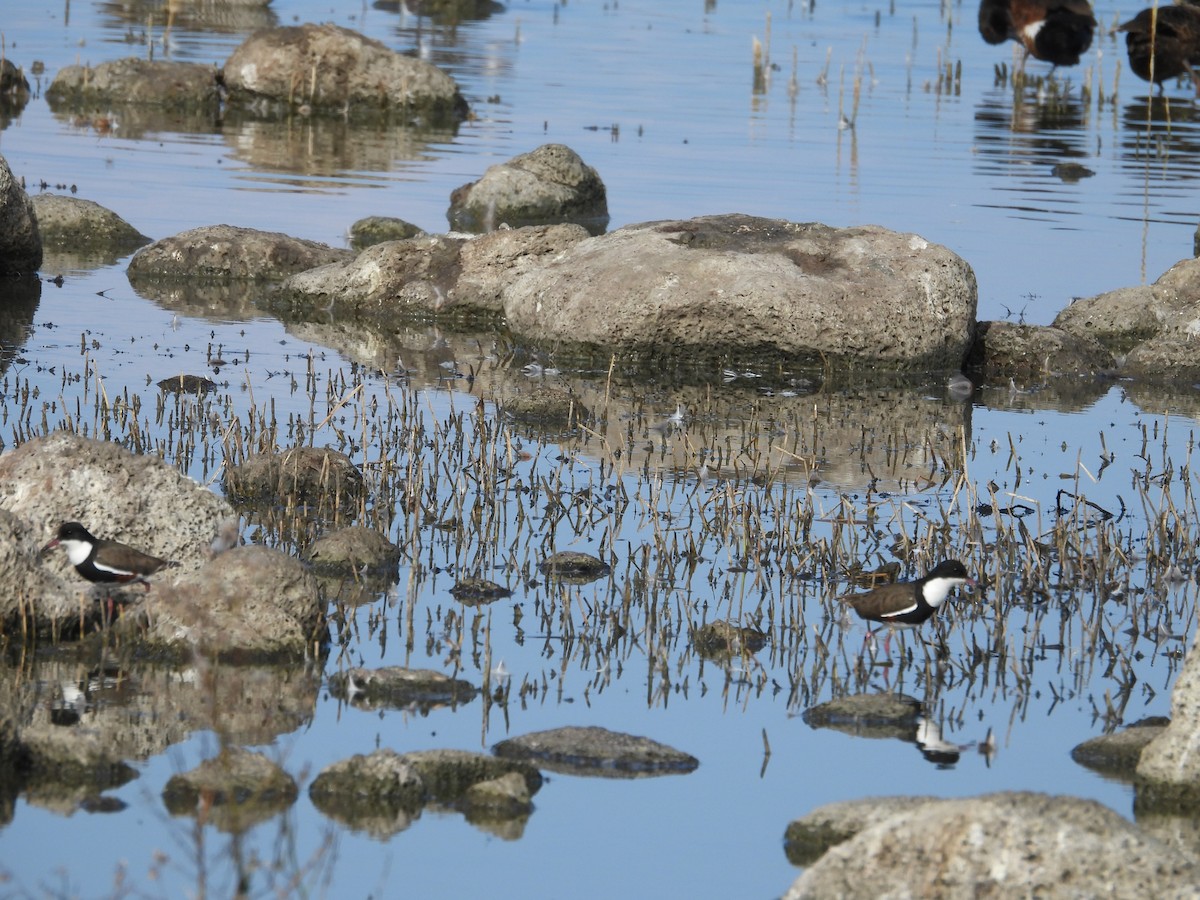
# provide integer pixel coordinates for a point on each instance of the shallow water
(966, 169)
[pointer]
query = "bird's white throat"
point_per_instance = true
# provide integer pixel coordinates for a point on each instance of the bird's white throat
(77, 551)
(938, 589)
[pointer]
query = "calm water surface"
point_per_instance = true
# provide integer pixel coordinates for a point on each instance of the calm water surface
(658, 97)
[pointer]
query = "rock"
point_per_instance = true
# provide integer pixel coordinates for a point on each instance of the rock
(490, 262)
(393, 279)
(1168, 771)
(574, 567)
(506, 797)
(1166, 358)
(732, 289)
(14, 86)
(473, 591)
(1118, 319)
(82, 226)
(354, 547)
(1005, 844)
(187, 384)
(429, 275)
(377, 229)
(226, 253)
(249, 604)
(806, 839)
(725, 640)
(597, 751)
(139, 500)
(449, 774)
(544, 406)
(380, 793)
(20, 240)
(421, 690)
(887, 715)
(333, 70)
(172, 85)
(234, 790)
(1117, 755)
(1004, 350)
(549, 184)
(316, 476)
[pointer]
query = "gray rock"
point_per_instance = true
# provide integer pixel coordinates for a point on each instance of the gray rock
(82, 225)
(597, 751)
(1166, 358)
(331, 69)
(1117, 754)
(492, 261)
(574, 567)
(392, 279)
(886, 715)
(139, 500)
(722, 640)
(353, 548)
(234, 790)
(376, 229)
(449, 774)
(1005, 350)
(739, 288)
(1118, 319)
(473, 591)
(506, 797)
(172, 85)
(20, 239)
(549, 184)
(1006, 844)
(248, 604)
(1168, 772)
(396, 686)
(380, 793)
(429, 275)
(226, 253)
(317, 476)
(806, 839)
(543, 406)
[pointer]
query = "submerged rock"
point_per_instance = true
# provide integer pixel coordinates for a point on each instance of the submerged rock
(886, 715)
(1014, 844)
(1005, 350)
(402, 688)
(172, 85)
(548, 184)
(227, 253)
(1117, 754)
(316, 476)
(597, 751)
(82, 226)
(725, 640)
(473, 591)
(354, 548)
(382, 793)
(376, 229)
(330, 69)
(234, 790)
(741, 288)
(574, 567)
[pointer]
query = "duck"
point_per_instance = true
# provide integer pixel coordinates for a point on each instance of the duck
(1163, 43)
(908, 604)
(1055, 31)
